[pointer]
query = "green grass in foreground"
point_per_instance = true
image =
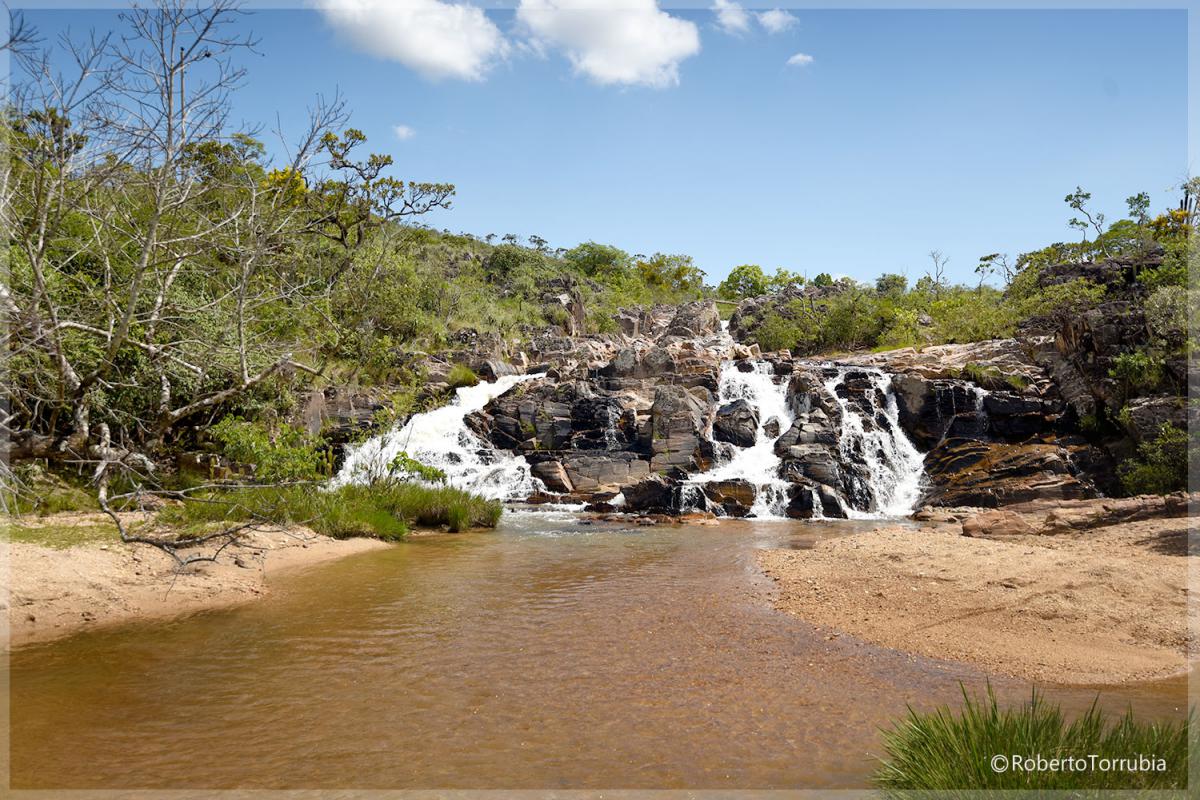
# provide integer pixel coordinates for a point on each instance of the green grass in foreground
(944, 750)
(384, 509)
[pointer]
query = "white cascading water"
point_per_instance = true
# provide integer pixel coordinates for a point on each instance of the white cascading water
(440, 438)
(757, 464)
(894, 466)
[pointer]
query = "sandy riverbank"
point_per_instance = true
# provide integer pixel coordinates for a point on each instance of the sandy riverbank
(53, 592)
(1094, 605)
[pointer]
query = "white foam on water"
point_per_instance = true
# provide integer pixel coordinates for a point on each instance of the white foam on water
(441, 438)
(758, 463)
(895, 467)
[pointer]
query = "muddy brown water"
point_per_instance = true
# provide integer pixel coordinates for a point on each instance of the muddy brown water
(548, 654)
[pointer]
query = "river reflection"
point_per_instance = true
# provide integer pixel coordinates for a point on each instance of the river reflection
(548, 654)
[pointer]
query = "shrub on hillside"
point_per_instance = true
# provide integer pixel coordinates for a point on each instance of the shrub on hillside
(1161, 465)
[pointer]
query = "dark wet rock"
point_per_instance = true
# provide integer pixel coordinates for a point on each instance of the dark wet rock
(1145, 416)
(655, 493)
(737, 423)
(771, 428)
(807, 500)
(734, 498)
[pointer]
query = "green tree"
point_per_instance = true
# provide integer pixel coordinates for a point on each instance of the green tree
(598, 260)
(891, 284)
(746, 280)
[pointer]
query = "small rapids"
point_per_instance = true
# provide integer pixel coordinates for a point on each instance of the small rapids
(882, 469)
(440, 438)
(757, 464)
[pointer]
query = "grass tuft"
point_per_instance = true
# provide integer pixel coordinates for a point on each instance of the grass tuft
(383, 510)
(460, 376)
(944, 750)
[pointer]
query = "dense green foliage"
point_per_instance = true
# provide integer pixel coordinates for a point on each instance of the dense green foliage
(944, 750)
(287, 454)
(384, 509)
(1162, 464)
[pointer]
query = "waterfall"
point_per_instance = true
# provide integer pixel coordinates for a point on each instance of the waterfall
(440, 438)
(758, 463)
(881, 467)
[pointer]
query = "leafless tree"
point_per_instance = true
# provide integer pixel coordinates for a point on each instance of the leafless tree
(937, 272)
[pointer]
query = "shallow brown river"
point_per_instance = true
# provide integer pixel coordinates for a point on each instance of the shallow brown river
(545, 655)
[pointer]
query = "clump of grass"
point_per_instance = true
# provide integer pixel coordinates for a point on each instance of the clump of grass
(992, 377)
(461, 376)
(384, 509)
(944, 750)
(58, 537)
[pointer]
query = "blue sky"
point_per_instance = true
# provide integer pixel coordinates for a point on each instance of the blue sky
(907, 131)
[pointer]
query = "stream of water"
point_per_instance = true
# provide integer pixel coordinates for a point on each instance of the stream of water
(547, 654)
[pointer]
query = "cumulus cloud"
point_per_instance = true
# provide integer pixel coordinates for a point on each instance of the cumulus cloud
(437, 39)
(631, 43)
(404, 132)
(731, 17)
(776, 20)
(800, 60)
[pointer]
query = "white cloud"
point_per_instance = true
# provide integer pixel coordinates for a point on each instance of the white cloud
(800, 60)
(632, 43)
(776, 20)
(731, 17)
(437, 39)
(404, 132)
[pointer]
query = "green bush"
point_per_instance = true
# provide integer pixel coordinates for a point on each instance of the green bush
(1137, 371)
(777, 333)
(405, 464)
(944, 750)
(287, 454)
(461, 376)
(1161, 465)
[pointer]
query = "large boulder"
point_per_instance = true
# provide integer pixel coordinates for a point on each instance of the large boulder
(737, 423)
(695, 320)
(734, 497)
(592, 473)
(552, 474)
(807, 500)
(1049, 517)
(654, 493)
(1144, 416)
(676, 429)
(967, 472)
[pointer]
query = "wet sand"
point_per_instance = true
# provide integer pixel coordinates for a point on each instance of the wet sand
(54, 592)
(1102, 606)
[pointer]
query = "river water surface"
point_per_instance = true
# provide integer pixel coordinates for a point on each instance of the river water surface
(548, 654)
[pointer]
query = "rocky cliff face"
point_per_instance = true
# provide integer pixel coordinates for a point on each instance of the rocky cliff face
(656, 418)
